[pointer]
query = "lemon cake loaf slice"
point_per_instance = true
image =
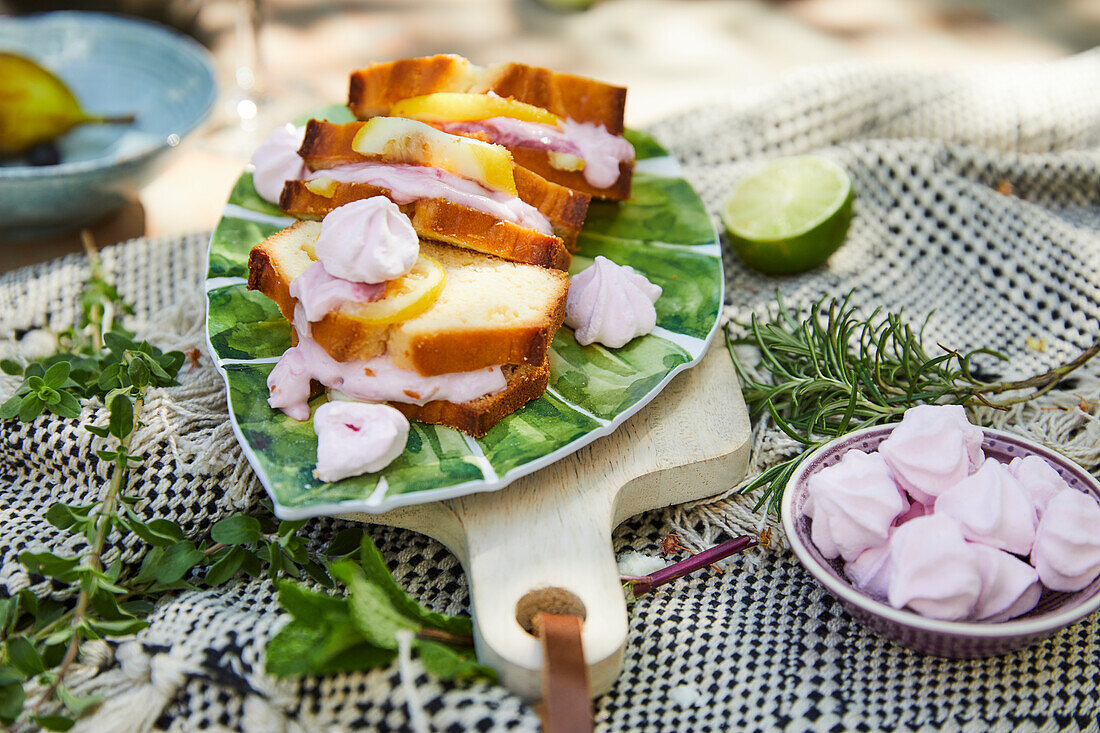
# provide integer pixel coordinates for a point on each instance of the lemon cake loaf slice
(487, 311)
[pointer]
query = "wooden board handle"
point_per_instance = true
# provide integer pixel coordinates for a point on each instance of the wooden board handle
(544, 548)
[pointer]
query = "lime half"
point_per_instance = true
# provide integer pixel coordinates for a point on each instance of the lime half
(790, 215)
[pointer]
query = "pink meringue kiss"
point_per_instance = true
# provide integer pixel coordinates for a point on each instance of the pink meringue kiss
(1039, 480)
(852, 504)
(1067, 543)
(935, 571)
(932, 449)
(1010, 587)
(992, 508)
(870, 572)
(916, 509)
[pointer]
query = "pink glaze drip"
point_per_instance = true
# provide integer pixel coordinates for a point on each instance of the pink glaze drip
(601, 151)
(318, 292)
(408, 183)
(370, 380)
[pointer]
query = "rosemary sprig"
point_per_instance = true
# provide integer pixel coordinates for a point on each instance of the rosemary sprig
(829, 371)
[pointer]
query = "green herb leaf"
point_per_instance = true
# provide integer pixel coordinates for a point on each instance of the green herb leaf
(287, 527)
(122, 416)
(178, 560)
(450, 663)
(120, 627)
(53, 722)
(139, 373)
(64, 516)
(9, 611)
(49, 564)
(11, 702)
(372, 611)
(10, 408)
(299, 650)
(11, 367)
(77, 704)
(310, 606)
(57, 375)
(24, 656)
(9, 674)
(374, 567)
(30, 407)
(226, 567)
(345, 542)
(157, 532)
(317, 573)
(237, 529)
(117, 343)
(67, 406)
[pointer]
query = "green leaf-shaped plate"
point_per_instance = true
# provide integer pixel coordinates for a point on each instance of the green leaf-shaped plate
(663, 231)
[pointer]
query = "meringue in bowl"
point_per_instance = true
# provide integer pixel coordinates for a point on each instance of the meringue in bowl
(955, 639)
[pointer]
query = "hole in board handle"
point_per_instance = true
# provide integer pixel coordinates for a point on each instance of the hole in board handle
(547, 600)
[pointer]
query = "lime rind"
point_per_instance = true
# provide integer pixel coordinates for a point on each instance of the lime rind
(791, 215)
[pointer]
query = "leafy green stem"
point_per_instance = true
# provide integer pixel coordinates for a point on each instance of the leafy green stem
(94, 559)
(1040, 383)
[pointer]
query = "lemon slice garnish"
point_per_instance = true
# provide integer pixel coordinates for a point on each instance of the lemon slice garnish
(457, 107)
(400, 140)
(406, 297)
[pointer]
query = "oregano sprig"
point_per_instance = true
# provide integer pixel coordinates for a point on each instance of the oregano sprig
(41, 637)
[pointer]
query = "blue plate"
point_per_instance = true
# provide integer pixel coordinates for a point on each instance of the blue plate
(114, 65)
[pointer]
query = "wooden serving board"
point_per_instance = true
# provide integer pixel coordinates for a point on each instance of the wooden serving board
(544, 542)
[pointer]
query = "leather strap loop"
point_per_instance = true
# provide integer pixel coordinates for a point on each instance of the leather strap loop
(566, 702)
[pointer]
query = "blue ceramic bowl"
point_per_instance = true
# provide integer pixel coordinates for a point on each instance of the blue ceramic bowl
(954, 639)
(114, 65)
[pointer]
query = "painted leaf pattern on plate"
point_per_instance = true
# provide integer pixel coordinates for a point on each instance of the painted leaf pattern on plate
(245, 324)
(231, 242)
(661, 209)
(663, 231)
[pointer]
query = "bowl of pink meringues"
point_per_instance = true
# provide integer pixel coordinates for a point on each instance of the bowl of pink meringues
(946, 537)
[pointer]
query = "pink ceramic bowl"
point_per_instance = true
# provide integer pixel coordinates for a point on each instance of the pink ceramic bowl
(955, 639)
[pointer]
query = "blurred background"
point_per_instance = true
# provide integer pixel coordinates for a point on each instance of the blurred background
(278, 58)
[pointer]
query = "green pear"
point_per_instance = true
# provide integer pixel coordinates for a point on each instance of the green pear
(36, 106)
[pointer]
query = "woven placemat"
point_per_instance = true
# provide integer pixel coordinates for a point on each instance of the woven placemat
(758, 647)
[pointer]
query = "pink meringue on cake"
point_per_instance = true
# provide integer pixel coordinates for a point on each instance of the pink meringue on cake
(1010, 587)
(870, 572)
(1039, 480)
(852, 504)
(935, 571)
(932, 449)
(1067, 543)
(992, 508)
